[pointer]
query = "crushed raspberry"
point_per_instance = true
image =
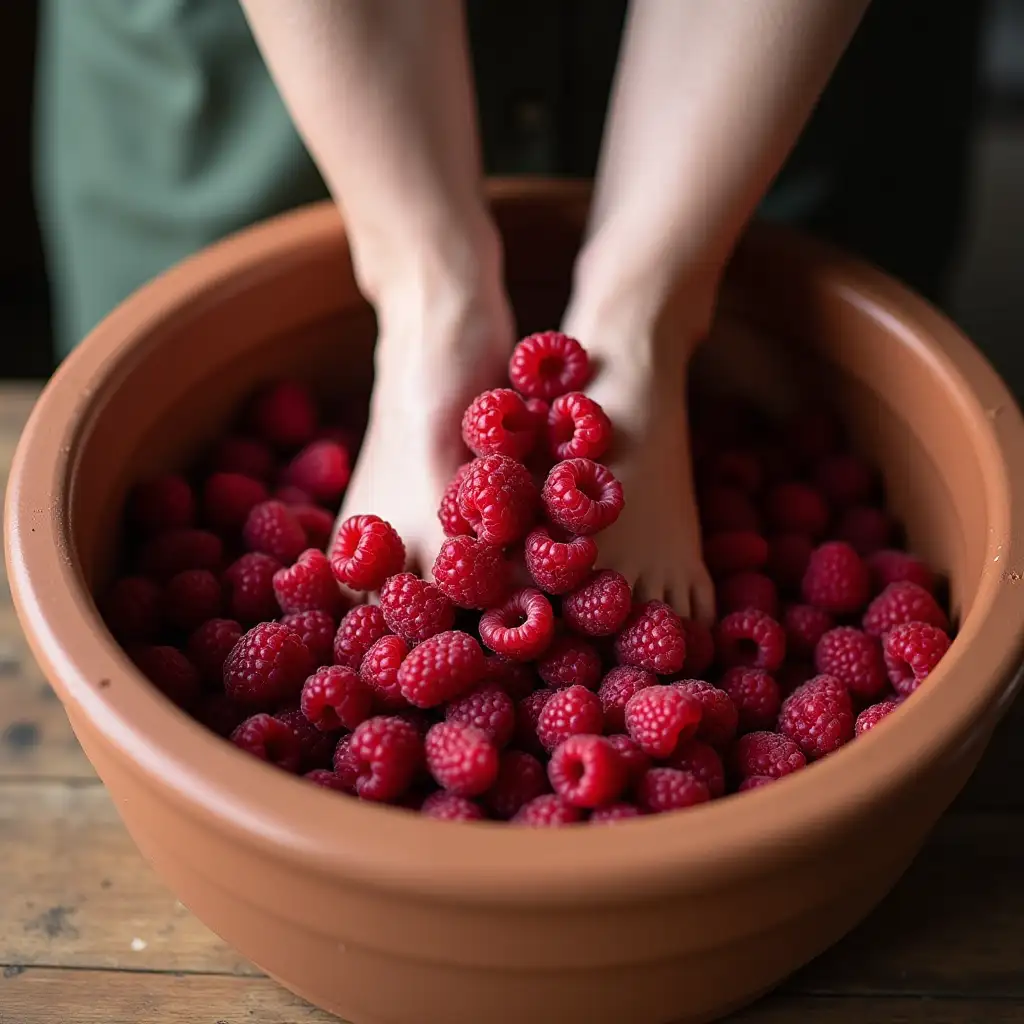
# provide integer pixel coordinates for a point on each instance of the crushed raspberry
(796, 508)
(521, 778)
(317, 747)
(308, 585)
(700, 648)
(174, 551)
(452, 521)
(487, 708)
(752, 639)
(267, 667)
(471, 574)
(245, 455)
(725, 509)
(547, 811)
(528, 711)
(414, 608)
(652, 638)
(871, 716)
(818, 716)
(755, 695)
(636, 761)
(360, 629)
(669, 789)
(445, 806)
(767, 754)
(388, 752)
(440, 669)
(271, 740)
(209, 646)
(899, 604)
(735, 551)
(600, 605)
(660, 717)
(754, 782)
(845, 480)
(744, 590)
(582, 496)
(170, 672)
(317, 523)
(219, 713)
(578, 428)
(379, 671)
(558, 562)
(272, 529)
(321, 469)
(522, 628)
(329, 780)
(587, 771)
(570, 661)
(789, 554)
(461, 758)
(616, 689)
(569, 712)
(515, 678)
(228, 498)
(498, 499)
(249, 588)
(163, 503)
(366, 552)
(854, 658)
(805, 625)
(316, 630)
(611, 813)
(131, 609)
(547, 365)
(335, 697)
(719, 717)
(702, 761)
(836, 579)
(912, 650)
(284, 414)
(888, 567)
(499, 423)
(865, 529)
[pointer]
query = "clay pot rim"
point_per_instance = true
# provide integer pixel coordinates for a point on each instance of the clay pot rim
(391, 849)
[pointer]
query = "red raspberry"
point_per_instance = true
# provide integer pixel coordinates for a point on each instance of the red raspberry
(521, 778)
(547, 365)
(335, 697)
(452, 522)
(170, 672)
(329, 780)
(727, 509)
(899, 604)
(652, 638)
(854, 658)
(317, 747)
(796, 508)
(210, 645)
(271, 740)
(617, 687)
(388, 752)
(163, 503)
(284, 414)
(718, 718)
(522, 628)
(865, 529)
(888, 567)
(245, 455)
(346, 764)
(660, 717)
(702, 762)
(734, 468)
(440, 669)
(131, 609)
(845, 480)
(636, 761)
(487, 708)
(582, 496)
(499, 423)
(570, 661)
(316, 630)
(379, 671)
(754, 782)
(569, 712)
(745, 590)
(446, 806)
(558, 562)
(528, 711)
(515, 678)
(600, 605)
(272, 529)
(366, 552)
(361, 628)
(317, 522)
(219, 713)
(766, 754)
(611, 813)
(805, 625)
(578, 428)
(461, 758)
(818, 716)
(735, 551)
(321, 469)
(700, 648)
(751, 639)
(498, 499)
(755, 695)
(414, 608)
(836, 579)
(177, 550)
(871, 716)
(912, 650)
(789, 554)
(228, 498)
(548, 811)
(668, 789)
(587, 771)
(249, 586)
(293, 497)
(308, 585)
(267, 667)
(472, 574)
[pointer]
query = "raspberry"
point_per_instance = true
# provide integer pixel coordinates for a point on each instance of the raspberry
(228, 498)
(818, 716)
(754, 782)
(805, 625)
(652, 638)
(361, 628)
(845, 480)
(329, 780)
(499, 423)
(836, 579)
(243, 455)
(727, 509)
(131, 609)
(755, 695)
(293, 497)
(316, 630)
(272, 529)
(912, 650)
(366, 552)
(522, 628)
(521, 778)
(267, 667)
(498, 499)
(528, 712)
(854, 658)
(177, 550)
(547, 365)
(558, 562)
(316, 522)
(899, 604)
(660, 717)
(617, 687)
(249, 588)
(170, 672)
(548, 811)
(210, 645)
(308, 585)
(582, 496)
(284, 414)
(414, 608)
(570, 661)
(751, 639)
(389, 753)
(587, 771)
(744, 590)
(871, 716)
(487, 708)
(515, 678)
(452, 522)
(865, 529)
(734, 468)
(346, 763)
(600, 605)
(321, 469)
(219, 713)
(335, 697)
(888, 567)
(471, 574)
(636, 761)
(271, 740)
(569, 712)
(379, 671)
(446, 806)
(702, 762)
(668, 789)
(766, 754)
(735, 551)
(578, 428)
(718, 718)
(796, 508)
(163, 503)
(700, 648)
(440, 669)
(317, 747)
(461, 758)
(611, 813)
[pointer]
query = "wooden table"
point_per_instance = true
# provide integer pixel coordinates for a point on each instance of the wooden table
(89, 935)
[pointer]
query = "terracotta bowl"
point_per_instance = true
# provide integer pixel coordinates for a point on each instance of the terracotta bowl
(386, 918)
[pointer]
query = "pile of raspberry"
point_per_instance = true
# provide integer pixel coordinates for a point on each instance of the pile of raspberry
(522, 683)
